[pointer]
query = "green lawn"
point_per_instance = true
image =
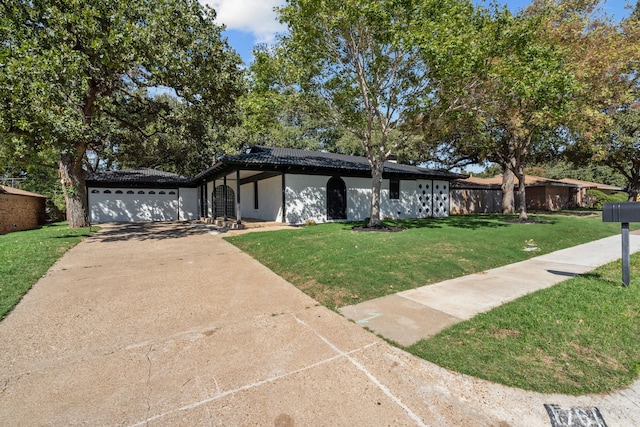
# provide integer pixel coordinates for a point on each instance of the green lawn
(26, 255)
(338, 267)
(578, 337)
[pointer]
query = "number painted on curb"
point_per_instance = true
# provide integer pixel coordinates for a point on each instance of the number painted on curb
(574, 416)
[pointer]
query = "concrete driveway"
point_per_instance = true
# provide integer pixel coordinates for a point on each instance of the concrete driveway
(167, 324)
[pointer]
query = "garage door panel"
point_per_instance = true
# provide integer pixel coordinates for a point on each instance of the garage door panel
(138, 207)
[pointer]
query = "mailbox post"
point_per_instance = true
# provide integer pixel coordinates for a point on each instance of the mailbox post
(624, 213)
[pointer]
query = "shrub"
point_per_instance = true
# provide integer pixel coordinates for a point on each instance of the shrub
(620, 196)
(597, 198)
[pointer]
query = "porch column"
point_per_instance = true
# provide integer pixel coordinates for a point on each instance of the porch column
(213, 201)
(284, 200)
(238, 215)
(224, 196)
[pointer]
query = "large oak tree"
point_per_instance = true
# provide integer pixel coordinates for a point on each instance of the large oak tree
(540, 76)
(74, 74)
(610, 67)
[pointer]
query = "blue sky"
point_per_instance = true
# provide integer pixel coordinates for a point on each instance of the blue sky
(253, 21)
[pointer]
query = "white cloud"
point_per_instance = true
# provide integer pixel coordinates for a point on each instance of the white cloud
(253, 16)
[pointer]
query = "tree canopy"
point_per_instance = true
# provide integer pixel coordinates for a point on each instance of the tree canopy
(357, 67)
(82, 79)
(614, 140)
(540, 77)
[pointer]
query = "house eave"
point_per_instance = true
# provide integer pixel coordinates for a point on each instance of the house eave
(225, 168)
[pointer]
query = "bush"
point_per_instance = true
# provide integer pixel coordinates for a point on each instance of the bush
(597, 198)
(620, 196)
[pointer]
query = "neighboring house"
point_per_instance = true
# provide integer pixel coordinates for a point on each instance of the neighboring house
(546, 194)
(140, 195)
(284, 185)
(475, 196)
(483, 195)
(20, 210)
(582, 198)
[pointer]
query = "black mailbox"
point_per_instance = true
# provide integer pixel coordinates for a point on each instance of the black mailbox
(621, 212)
(624, 213)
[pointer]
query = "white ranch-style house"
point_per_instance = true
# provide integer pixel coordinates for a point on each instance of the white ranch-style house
(270, 184)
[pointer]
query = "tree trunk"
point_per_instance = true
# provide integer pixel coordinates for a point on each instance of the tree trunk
(522, 194)
(376, 184)
(72, 177)
(634, 188)
(508, 206)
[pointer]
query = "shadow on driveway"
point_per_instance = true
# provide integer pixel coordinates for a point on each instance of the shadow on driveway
(118, 232)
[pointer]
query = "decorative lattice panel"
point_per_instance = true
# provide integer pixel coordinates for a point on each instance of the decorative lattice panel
(440, 198)
(424, 193)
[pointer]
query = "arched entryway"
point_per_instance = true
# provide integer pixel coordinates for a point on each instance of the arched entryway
(336, 199)
(224, 202)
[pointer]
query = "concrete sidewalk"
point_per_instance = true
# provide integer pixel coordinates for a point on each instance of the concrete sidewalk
(409, 316)
(169, 325)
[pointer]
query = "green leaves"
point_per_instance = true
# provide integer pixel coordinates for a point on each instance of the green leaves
(76, 75)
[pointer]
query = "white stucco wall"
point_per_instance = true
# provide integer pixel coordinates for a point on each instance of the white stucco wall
(269, 200)
(188, 204)
(305, 197)
(209, 200)
(404, 207)
(407, 206)
(358, 198)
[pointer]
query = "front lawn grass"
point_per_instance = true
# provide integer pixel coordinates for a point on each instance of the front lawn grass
(578, 337)
(26, 255)
(338, 267)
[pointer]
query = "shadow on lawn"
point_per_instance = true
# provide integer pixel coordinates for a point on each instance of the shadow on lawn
(469, 222)
(463, 221)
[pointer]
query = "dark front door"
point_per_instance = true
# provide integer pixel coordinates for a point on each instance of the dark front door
(224, 204)
(336, 199)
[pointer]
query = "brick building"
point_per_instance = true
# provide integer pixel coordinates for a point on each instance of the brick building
(20, 210)
(484, 195)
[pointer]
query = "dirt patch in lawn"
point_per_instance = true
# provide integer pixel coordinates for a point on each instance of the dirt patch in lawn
(525, 221)
(381, 228)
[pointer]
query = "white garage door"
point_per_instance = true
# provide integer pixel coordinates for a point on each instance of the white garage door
(132, 205)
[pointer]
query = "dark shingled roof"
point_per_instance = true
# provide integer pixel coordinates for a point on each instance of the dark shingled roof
(139, 176)
(305, 160)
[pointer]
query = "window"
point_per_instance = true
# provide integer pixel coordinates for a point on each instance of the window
(106, 192)
(152, 192)
(255, 195)
(172, 192)
(394, 189)
(118, 191)
(140, 192)
(95, 191)
(161, 192)
(130, 192)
